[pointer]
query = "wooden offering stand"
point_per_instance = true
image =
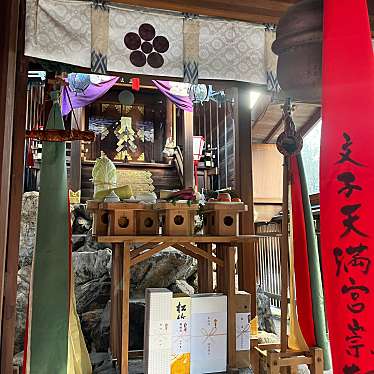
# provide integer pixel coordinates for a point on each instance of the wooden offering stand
(178, 218)
(132, 249)
(223, 218)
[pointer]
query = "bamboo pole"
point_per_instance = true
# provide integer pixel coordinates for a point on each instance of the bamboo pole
(284, 258)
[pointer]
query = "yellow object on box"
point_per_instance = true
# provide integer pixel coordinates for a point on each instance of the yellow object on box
(254, 326)
(181, 364)
(181, 335)
(124, 192)
(75, 197)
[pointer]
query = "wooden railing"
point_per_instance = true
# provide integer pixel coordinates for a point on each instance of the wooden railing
(268, 251)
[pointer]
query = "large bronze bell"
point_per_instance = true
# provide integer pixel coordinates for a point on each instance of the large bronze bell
(299, 48)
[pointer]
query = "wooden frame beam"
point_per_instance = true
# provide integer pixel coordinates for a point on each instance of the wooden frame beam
(273, 131)
(244, 177)
(313, 119)
(147, 254)
(8, 67)
(188, 167)
(15, 201)
(198, 251)
(257, 11)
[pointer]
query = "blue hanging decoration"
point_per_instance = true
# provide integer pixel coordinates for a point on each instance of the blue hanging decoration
(201, 92)
(79, 82)
(198, 93)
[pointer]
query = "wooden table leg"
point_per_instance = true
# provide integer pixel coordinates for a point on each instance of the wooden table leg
(119, 303)
(273, 362)
(220, 272)
(205, 271)
(125, 309)
(231, 300)
(113, 306)
(116, 304)
(317, 364)
(255, 357)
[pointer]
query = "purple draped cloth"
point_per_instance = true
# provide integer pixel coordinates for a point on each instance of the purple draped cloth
(177, 92)
(84, 89)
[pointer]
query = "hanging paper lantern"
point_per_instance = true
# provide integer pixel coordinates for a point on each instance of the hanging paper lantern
(79, 82)
(126, 97)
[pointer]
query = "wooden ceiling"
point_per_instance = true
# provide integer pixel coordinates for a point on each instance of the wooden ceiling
(256, 11)
(268, 124)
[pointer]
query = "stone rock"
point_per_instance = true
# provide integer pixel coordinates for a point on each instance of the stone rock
(101, 331)
(194, 282)
(181, 286)
(98, 358)
(161, 270)
(92, 295)
(81, 219)
(265, 318)
(136, 333)
(77, 242)
(267, 338)
(91, 265)
(88, 244)
(89, 321)
(29, 218)
(23, 281)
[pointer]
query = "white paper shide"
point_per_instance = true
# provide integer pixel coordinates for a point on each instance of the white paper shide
(243, 331)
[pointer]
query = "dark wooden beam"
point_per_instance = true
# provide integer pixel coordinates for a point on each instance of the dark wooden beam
(8, 64)
(314, 118)
(15, 201)
(273, 131)
(75, 151)
(223, 9)
(188, 168)
(259, 110)
(246, 253)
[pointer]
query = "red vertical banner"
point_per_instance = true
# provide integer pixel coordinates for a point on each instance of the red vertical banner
(347, 184)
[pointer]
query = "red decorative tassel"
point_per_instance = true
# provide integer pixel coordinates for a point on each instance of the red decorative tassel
(135, 83)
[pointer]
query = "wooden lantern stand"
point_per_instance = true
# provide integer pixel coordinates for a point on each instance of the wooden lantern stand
(278, 358)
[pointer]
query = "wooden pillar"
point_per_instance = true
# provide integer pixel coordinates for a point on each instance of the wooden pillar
(125, 309)
(273, 362)
(15, 203)
(169, 121)
(284, 258)
(231, 300)
(205, 270)
(317, 361)
(8, 66)
(244, 182)
(188, 174)
(75, 151)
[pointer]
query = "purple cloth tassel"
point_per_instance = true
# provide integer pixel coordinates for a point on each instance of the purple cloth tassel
(82, 97)
(181, 101)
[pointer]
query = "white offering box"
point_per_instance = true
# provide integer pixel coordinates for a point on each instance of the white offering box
(157, 330)
(208, 333)
(181, 327)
